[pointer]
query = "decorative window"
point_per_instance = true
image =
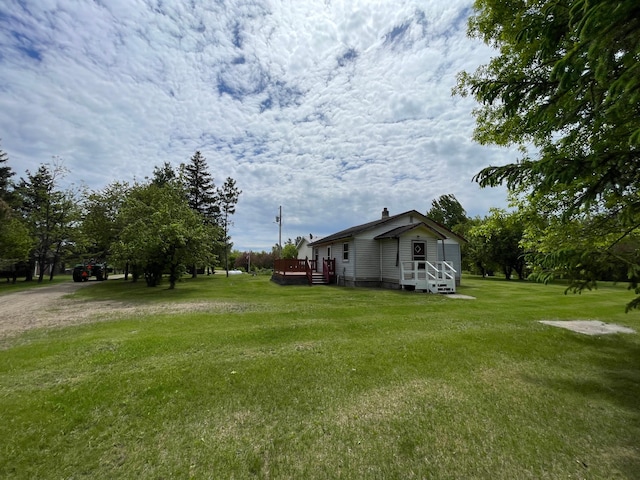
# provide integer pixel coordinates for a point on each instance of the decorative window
(419, 251)
(345, 252)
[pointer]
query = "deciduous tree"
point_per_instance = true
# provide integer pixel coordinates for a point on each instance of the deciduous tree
(496, 242)
(289, 251)
(100, 228)
(160, 232)
(565, 88)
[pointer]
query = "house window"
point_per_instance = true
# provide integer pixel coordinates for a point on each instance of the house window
(419, 252)
(345, 252)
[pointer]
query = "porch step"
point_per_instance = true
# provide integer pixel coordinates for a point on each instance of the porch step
(441, 287)
(317, 279)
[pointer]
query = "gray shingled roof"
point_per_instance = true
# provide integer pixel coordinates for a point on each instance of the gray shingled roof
(350, 232)
(396, 232)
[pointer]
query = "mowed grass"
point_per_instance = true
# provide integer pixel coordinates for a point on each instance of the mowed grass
(326, 382)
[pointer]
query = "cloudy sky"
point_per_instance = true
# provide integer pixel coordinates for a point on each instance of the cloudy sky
(331, 109)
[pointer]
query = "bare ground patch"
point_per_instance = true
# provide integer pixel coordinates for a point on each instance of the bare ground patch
(47, 307)
(589, 327)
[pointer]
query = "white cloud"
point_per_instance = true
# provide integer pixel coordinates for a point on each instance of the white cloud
(331, 109)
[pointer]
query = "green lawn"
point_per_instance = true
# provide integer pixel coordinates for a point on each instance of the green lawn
(326, 382)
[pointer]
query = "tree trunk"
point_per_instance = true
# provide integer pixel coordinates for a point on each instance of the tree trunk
(172, 277)
(31, 264)
(56, 259)
(41, 263)
(507, 272)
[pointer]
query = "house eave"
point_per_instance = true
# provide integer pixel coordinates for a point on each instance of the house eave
(400, 231)
(440, 230)
(320, 242)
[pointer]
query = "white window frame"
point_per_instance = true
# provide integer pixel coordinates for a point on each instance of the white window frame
(345, 252)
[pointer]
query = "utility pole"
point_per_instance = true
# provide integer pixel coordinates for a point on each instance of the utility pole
(279, 222)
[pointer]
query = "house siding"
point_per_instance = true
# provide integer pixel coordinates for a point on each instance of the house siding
(390, 275)
(343, 269)
(389, 249)
(368, 262)
(451, 254)
(406, 249)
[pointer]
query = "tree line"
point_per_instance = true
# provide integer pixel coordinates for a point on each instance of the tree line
(175, 221)
(513, 243)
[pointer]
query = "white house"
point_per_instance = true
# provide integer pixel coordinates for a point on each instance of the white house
(304, 250)
(408, 250)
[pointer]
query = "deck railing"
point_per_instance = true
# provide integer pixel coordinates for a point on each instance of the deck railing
(328, 269)
(296, 266)
(305, 267)
(423, 275)
(309, 270)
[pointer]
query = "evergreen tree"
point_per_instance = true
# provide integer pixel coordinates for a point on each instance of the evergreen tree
(228, 196)
(163, 175)
(5, 176)
(49, 214)
(201, 191)
(447, 211)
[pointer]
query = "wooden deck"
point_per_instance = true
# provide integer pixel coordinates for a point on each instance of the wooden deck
(299, 271)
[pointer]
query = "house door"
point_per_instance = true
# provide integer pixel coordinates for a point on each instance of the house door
(419, 257)
(419, 254)
(316, 255)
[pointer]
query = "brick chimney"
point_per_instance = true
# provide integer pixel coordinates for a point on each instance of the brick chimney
(385, 213)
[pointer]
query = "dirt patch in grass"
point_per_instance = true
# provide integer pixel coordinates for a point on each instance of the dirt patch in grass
(459, 296)
(49, 306)
(589, 327)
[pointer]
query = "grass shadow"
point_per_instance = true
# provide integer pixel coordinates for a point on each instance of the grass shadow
(608, 379)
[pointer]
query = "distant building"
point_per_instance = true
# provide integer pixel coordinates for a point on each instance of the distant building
(304, 250)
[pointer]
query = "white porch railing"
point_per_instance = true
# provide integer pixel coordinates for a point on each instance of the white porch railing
(436, 277)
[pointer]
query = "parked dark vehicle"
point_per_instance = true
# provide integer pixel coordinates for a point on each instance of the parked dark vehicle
(82, 272)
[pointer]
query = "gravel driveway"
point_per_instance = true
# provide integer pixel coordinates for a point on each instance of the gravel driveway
(47, 306)
(40, 307)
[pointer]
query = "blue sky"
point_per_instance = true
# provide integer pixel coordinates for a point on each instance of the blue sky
(331, 109)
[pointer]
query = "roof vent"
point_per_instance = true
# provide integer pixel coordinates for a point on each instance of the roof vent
(385, 213)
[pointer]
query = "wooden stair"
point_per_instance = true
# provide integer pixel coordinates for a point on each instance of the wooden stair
(317, 278)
